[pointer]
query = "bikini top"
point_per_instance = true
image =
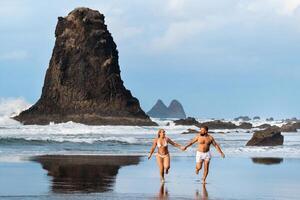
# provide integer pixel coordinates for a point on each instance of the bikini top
(164, 145)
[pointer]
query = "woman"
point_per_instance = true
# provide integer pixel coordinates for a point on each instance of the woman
(163, 155)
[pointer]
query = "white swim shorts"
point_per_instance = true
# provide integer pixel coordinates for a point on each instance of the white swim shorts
(203, 156)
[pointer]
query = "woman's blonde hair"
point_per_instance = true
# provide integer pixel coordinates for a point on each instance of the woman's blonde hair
(160, 130)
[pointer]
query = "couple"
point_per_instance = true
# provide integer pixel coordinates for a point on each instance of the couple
(203, 154)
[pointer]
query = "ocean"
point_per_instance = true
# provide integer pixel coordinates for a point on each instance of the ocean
(18, 142)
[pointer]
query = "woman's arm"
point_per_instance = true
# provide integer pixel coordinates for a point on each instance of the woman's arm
(173, 143)
(152, 148)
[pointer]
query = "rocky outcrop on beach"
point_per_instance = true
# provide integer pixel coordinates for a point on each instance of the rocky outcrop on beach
(290, 127)
(218, 124)
(263, 126)
(268, 137)
(190, 121)
(83, 81)
(256, 118)
(174, 110)
(242, 118)
(190, 131)
(270, 119)
(245, 125)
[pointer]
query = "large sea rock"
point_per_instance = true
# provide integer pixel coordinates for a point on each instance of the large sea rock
(174, 110)
(83, 81)
(268, 137)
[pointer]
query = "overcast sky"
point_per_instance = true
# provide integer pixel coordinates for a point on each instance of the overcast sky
(219, 58)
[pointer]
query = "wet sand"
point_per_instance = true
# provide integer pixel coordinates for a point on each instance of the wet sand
(133, 177)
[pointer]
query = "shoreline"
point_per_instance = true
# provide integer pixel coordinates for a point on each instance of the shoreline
(131, 177)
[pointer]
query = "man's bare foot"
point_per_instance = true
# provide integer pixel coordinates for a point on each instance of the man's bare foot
(167, 171)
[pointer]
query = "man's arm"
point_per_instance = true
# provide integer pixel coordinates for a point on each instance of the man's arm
(152, 148)
(195, 139)
(216, 145)
(174, 143)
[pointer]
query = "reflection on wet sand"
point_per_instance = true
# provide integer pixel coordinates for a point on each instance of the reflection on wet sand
(267, 161)
(83, 173)
(203, 195)
(163, 192)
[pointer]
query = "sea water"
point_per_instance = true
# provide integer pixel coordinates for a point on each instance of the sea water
(19, 141)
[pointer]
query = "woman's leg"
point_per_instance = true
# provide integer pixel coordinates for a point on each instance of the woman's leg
(160, 166)
(167, 163)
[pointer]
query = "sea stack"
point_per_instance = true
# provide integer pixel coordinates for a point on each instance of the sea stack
(174, 110)
(83, 82)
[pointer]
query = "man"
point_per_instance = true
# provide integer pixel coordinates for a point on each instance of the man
(203, 154)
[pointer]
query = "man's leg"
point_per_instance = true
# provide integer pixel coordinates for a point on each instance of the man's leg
(206, 168)
(199, 166)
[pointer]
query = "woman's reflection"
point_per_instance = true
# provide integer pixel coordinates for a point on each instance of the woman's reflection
(163, 192)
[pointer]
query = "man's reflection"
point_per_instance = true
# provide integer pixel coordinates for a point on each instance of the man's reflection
(163, 192)
(203, 195)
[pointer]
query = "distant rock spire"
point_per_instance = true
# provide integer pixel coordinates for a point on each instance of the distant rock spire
(174, 110)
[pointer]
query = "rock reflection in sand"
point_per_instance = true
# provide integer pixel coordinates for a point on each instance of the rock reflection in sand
(83, 173)
(267, 161)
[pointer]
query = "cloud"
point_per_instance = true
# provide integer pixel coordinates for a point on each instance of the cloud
(14, 55)
(176, 34)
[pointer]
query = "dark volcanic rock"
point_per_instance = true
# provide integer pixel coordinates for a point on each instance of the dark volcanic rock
(245, 125)
(243, 118)
(174, 110)
(256, 118)
(218, 124)
(187, 122)
(268, 137)
(83, 82)
(264, 126)
(159, 110)
(290, 127)
(189, 131)
(270, 119)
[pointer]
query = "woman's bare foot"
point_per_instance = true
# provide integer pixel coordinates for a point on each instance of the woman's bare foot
(167, 171)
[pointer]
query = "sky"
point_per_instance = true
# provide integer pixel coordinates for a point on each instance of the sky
(218, 58)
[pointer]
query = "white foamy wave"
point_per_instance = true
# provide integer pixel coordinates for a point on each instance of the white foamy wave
(10, 107)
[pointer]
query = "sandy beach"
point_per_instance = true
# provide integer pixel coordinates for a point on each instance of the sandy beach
(133, 177)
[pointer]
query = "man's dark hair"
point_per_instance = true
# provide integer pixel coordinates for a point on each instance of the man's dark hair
(205, 127)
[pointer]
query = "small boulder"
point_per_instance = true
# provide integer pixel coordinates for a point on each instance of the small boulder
(245, 125)
(190, 121)
(218, 124)
(289, 127)
(268, 137)
(190, 131)
(242, 118)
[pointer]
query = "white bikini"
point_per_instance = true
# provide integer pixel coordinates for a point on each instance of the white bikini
(162, 145)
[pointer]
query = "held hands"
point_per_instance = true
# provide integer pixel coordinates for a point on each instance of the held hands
(183, 148)
(149, 157)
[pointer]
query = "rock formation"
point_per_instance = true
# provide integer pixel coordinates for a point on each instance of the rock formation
(245, 125)
(187, 122)
(83, 82)
(268, 137)
(242, 118)
(218, 124)
(159, 110)
(174, 110)
(256, 118)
